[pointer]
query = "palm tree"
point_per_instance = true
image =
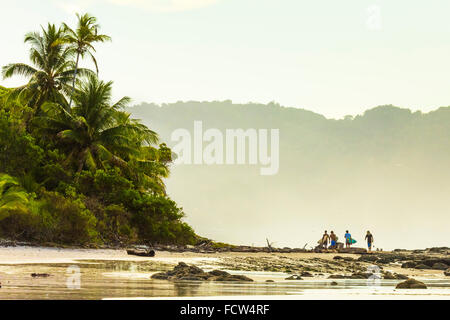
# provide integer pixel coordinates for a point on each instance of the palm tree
(51, 71)
(150, 167)
(82, 39)
(94, 131)
(12, 197)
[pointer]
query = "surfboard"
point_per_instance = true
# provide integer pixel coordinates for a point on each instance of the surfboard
(353, 241)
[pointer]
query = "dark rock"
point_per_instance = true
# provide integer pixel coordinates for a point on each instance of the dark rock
(422, 266)
(353, 250)
(360, 275)
(440, 266)
(368, 258)
(334, 283)
(294, 277)
(411, 284)
(431, 262)
(439, 249)
(409, 264)
(40, 275)
(395, 276)
(306, 274)
(336, 276)
(447, 272)
(191, 278)
(232, 277)
(219, 273)
(389, 276)
(391, 258)
(347, 259)
(270, 280)
(160, 276)
(192, 273)
(384, 261)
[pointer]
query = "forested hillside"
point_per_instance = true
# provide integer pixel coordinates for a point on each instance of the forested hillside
(373, 171)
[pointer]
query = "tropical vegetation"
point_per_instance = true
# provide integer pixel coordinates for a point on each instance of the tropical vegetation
(75, 167)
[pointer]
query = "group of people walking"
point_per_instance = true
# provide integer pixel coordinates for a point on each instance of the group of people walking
(332, 239)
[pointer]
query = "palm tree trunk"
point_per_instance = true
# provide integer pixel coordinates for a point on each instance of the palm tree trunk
(74, 79)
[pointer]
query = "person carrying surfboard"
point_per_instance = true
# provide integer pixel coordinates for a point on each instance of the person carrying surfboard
(348, 239)
(334, 239)
(325, 239)
(369, 238)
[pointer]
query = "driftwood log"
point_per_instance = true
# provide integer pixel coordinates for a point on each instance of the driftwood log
(141, 253)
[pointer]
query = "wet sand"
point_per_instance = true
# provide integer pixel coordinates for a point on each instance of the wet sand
(113, 274)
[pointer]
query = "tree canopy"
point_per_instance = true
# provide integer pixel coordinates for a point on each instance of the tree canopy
(75, 167)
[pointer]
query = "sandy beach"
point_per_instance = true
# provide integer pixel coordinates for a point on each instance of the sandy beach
(113, 274)
(46, 255)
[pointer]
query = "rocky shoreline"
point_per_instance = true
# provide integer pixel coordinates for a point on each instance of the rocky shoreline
(376, 265)
(354, 263)
(193, 273)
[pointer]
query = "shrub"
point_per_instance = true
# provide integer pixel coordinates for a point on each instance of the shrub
(158, 219)
(72, 222)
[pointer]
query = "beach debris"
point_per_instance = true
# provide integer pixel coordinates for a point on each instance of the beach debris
(141, 252)
(411, 284)
(193, 273)
(40, 275)
(269, 245)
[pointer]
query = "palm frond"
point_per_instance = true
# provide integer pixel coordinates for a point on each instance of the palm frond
(20, 69)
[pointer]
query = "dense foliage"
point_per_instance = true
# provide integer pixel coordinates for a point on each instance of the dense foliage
(75, 168)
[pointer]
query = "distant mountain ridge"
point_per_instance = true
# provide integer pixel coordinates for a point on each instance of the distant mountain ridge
(388, 164)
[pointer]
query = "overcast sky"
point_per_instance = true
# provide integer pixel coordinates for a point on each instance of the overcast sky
(331, 57)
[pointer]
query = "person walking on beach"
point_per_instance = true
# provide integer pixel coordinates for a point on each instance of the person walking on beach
(333, 238)
(369, 238)
(325, 239)
(348, 239)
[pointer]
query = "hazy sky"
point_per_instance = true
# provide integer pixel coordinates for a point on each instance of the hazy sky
(332, 57)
